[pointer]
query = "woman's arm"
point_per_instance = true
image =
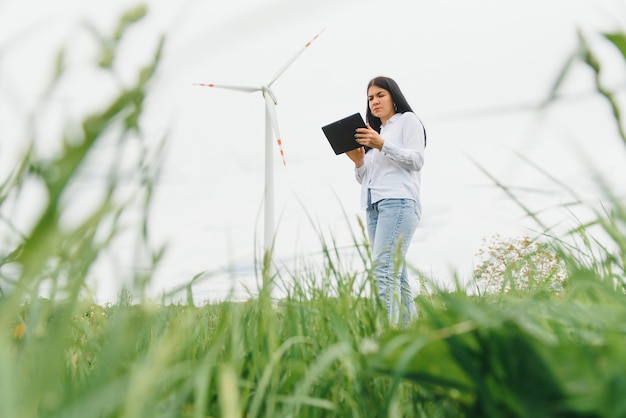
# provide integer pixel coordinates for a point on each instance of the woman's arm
(409, 154)
(358, 158)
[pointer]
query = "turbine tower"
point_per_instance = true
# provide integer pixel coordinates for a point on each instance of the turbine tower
(271, 126)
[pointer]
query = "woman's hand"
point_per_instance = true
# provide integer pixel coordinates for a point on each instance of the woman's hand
(357, 156)
(369, 138)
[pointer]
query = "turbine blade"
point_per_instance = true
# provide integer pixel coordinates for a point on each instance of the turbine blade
(282, 70)
(245, 89)
(269, 104)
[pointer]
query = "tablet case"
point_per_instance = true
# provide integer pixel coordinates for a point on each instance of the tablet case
(340, 134)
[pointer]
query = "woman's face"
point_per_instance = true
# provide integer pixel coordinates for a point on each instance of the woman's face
(380, 102)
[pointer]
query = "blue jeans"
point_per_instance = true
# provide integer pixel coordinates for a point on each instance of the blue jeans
(390, 226)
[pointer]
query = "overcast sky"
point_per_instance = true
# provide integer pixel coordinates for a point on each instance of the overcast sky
(470, 69)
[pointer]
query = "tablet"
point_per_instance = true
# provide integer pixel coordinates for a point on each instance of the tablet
(340, 134)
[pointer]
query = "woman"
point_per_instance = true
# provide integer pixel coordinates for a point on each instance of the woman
(388, 167)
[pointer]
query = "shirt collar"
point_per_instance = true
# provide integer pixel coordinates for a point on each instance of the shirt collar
(391, 119)
(395, 116)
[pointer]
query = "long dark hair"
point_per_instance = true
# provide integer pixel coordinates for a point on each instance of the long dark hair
(400, 103)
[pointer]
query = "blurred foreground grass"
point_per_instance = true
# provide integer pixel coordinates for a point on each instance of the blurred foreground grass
(521, 347)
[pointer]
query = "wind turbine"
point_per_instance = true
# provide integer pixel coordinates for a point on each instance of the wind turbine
(271, 126)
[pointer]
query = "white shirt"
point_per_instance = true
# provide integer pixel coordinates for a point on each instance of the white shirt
(394, 171)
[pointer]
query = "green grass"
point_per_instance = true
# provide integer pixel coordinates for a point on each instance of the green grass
(526, 348)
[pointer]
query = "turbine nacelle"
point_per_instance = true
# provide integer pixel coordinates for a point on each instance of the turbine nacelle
(267, 90)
